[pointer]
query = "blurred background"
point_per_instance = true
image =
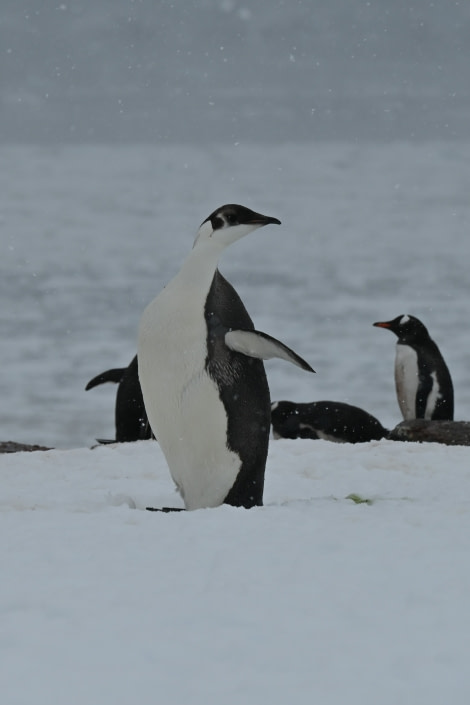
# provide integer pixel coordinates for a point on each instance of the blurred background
(146, 70)
(125, 123)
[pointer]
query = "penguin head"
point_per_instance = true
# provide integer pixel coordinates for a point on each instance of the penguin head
(230, 223)
(285, 419)
(283, 409)
(407, 328)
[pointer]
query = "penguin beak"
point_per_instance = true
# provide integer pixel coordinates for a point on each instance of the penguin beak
(261, 220)
(382, 324)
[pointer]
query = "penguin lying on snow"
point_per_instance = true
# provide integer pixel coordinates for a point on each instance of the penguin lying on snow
(130, 417)
(329, 420)
(422, 379)
(202, 376)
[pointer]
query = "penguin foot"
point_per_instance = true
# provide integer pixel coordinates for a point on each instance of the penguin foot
(165, 509)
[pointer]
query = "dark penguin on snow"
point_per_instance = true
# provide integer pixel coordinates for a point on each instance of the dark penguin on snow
(130, 417)
(202, 376)
(329, 420)
(422, 379)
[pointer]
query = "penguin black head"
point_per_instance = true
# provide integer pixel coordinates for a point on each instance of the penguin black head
(286, 420)
(230, 223)
(407, 328)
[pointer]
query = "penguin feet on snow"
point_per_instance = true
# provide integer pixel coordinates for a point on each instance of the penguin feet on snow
(329, 420)
(422, 379)
(202, 374)
(130, 417)
(165, 510)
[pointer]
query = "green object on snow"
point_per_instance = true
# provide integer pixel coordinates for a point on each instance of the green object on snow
(357, 499)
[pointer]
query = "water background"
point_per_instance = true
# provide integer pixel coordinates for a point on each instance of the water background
(91, 233)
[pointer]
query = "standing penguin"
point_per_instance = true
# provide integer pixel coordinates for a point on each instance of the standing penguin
(129, 415)
(202, 376)
(422, 379)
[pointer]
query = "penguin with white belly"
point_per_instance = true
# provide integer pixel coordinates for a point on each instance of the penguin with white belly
(422, 378)
(202, 376)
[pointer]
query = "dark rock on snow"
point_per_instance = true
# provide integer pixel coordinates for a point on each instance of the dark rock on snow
(451, 433)
(12, 447)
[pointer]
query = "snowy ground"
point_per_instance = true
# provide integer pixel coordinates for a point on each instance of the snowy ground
(314, 597)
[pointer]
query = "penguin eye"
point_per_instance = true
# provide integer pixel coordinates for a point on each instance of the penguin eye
(217, 222)
(231, 218)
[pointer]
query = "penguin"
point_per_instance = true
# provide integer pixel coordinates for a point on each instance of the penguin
(329, 420)
(202, 375)
(422, 379)
(130, 417)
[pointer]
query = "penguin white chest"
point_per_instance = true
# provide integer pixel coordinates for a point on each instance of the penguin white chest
(182, 401)
(406, 380)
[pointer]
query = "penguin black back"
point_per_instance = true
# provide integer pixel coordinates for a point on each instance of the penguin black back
(329, 420)
(242, 385)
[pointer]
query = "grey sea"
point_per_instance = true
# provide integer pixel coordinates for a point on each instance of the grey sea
(91, 233)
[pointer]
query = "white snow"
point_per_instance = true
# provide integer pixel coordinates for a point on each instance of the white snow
(312, 598)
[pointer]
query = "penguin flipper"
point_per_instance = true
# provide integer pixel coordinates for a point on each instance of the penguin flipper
(254, 343)
(115, 375)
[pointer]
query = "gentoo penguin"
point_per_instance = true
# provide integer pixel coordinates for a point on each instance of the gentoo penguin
(202, 376)
(130, 417)
(422, 379)
(329, 420)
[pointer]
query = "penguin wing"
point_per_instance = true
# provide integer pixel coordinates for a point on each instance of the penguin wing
(115, 375)
(425, 387)
(253, 343)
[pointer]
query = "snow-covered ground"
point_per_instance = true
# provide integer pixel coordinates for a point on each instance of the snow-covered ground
(312, 598)
(315, 597)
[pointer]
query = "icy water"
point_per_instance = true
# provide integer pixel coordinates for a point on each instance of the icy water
(91, 233)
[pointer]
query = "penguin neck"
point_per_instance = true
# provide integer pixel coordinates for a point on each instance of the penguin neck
(199, 267)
